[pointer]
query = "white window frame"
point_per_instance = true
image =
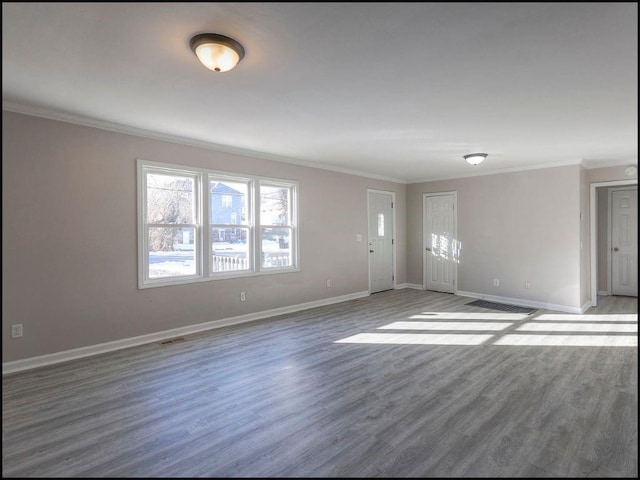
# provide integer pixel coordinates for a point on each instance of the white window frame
(203, 225)
(143, 225)
(250, 224)
(292, 226)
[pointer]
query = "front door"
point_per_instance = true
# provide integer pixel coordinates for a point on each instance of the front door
(624, 242)
(380, 241)
(440, 243)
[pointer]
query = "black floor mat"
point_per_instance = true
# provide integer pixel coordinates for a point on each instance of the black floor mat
(503, 307)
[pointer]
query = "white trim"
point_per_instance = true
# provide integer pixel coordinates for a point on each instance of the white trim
(593, 204)
(203, 225)
(424, 235)
(140, 132)
(603, 293)
(393, 235)
(608, 236)
(197, 175)
(587, 305)
(476, 173)
(497, 171)
(294, 221)
(589, 165)
(526, 303)
(64, 356)
(413, 286)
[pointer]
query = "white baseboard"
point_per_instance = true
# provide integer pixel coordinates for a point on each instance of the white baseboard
(586, 306)
(604, 293)
(414, 286)
(524, 303)
(64, 356)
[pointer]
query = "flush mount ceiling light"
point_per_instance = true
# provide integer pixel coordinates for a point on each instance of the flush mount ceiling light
(475, 158)
(217, 52)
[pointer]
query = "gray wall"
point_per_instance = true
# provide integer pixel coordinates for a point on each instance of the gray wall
(69, 239)
(513, 227)
(609, 174)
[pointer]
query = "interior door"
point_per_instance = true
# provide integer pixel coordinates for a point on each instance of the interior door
(441, 246)
(624, 242)
(380, 241)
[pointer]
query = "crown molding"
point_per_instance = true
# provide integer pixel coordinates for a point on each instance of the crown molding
(608, 163)
(61, 116)
(51, 114)
(585, 164)
(501, 170)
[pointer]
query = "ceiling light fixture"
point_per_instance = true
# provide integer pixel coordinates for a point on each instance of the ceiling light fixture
(217, 52)
(475, 158)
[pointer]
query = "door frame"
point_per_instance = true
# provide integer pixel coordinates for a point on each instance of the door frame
(610, 191)
(393, 234)
(593, 201)
(424, 235)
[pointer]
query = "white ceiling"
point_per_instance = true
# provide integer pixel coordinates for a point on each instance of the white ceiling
(393, 90)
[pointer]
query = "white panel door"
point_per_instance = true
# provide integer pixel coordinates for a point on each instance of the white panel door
(624, 242)
(380, 241)
(441, 246)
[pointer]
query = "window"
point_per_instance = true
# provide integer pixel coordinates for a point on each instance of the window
(197, 225)
(276, 226)
(230, 233)
(227, 201)
(171, 223)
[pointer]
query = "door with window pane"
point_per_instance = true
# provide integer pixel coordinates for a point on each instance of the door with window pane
(442, 249)
(380, 241)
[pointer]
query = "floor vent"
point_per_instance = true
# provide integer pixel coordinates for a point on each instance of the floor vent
(502, 307)
(171, 341)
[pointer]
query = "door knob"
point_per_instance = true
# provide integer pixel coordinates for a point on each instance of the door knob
(615, 249)
(370, 251)
(428, 249)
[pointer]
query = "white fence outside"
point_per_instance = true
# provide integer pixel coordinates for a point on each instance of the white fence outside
(233, 263)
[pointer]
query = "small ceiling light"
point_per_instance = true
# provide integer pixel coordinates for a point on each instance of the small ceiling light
(217, 52)
(475, 158)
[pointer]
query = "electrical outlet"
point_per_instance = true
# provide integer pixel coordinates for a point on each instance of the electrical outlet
(16, 330)
(496, 282)
(527, 284)
(328, 283)
(243, 297)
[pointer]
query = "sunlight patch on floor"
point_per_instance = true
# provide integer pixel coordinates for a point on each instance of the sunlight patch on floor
(579, 327)
(416, 339)
(457, 328)
(616, 317)
(568, 340)
(446, 326)
(468, 316)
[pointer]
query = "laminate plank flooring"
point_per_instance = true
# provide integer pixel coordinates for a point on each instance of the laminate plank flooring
(328, 392)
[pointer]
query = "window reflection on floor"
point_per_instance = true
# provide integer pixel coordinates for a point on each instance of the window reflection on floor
(506, 329)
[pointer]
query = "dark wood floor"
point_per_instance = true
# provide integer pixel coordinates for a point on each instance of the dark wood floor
(453, 391)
